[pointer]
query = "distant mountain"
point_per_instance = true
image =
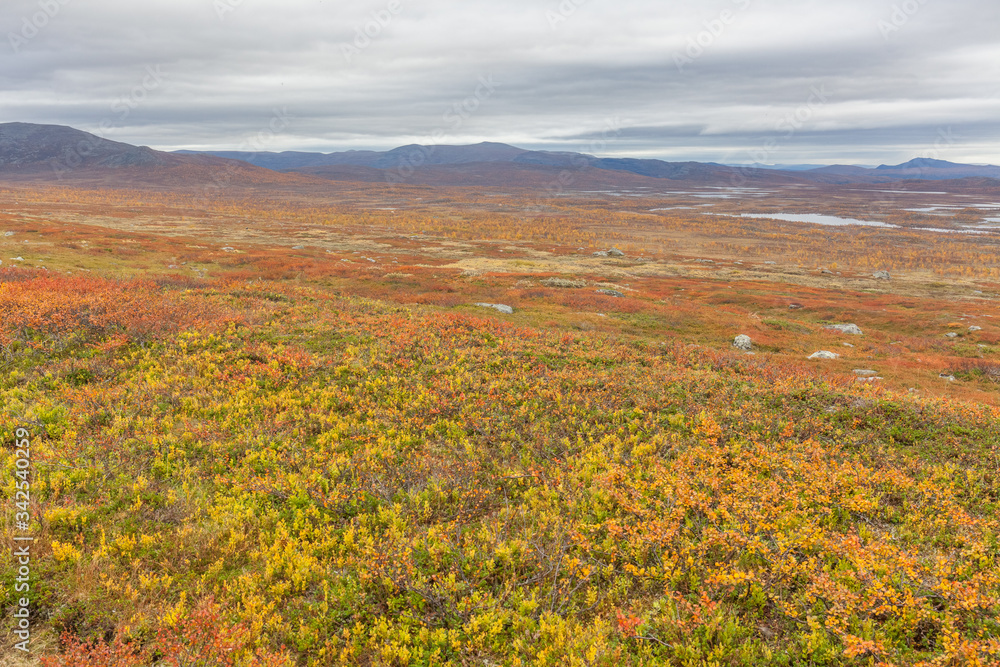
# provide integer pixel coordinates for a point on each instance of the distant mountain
(428, 160)
(45, 152)
(26, 147)
(926, 169)
(432, 164)
(35, 152)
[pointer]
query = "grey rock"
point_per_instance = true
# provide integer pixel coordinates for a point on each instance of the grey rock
(824, 354)
(882, 275)
(615, 252)
(949, 378)
(951, 334)
(610, 292)
(743, 342)
(795, 306)
(852, 329)
(506, 310)
(8, 233)
(298, 247)
(974, 329)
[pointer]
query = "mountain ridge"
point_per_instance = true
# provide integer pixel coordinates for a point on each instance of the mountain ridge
(36, 151)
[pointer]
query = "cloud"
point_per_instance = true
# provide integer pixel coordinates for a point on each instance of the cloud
(682, 80)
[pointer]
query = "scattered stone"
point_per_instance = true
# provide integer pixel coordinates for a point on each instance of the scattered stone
(978, 292)
(743, 342)
(228, 249)
(706, 261)
(951, 334)
(847, 345)
(17, 259)
(865, 373)
(610, 292)
(506, 310)
(795, 306)
(871, 379)
(564, 283)
(823, 354)
(298, 247)
(615, 252)
(8, 233)
(881, 275)
(852, 329)
(601, 253)
(826, 271)
(770, 262)
(949, 378)
(975, 329)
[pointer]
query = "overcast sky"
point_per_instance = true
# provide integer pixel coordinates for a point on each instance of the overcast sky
(735, 81)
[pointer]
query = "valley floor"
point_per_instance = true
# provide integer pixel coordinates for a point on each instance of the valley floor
(272, 433)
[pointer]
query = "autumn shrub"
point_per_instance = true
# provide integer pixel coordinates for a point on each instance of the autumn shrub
(201, 637)
(48, 311)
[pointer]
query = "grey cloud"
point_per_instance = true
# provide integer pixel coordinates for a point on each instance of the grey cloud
(560, 82)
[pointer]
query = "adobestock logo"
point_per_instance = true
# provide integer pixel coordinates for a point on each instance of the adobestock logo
(371, 30)
(32, 25)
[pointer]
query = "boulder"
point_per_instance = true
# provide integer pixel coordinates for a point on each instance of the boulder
(823, 354)
(506, 310)
(743, 342)
(852, 329)
(610, 292)
(881, 275)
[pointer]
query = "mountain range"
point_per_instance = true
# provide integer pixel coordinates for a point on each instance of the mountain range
(31, 151)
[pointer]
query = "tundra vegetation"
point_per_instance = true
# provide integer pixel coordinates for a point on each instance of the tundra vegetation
(278, 431)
